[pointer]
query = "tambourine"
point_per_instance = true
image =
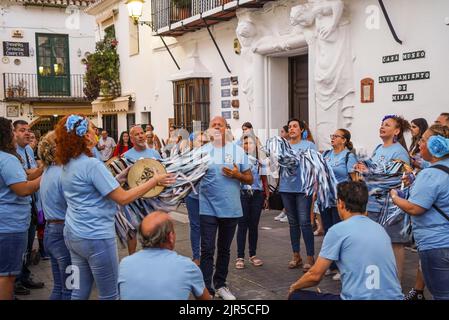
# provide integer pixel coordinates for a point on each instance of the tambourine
(142, 171)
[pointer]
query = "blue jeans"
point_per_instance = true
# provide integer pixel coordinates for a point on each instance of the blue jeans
(252, 208)
(26, 273)
(435, 269)
(330, 217)
(60, 259)
(310, 295)
(12, 251)
(193, 209)
(298, 207)
(225, 227)
(96, 260)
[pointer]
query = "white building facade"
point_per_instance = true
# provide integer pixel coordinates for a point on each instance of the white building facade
(44, 43)
(334, 64)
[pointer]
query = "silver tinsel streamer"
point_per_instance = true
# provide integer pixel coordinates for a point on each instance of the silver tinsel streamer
(315, 174)
(380, 180)
(188, 167)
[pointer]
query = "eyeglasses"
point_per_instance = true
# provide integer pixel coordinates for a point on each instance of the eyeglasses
(333, 136)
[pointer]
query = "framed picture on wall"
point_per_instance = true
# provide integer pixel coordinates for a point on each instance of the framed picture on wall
(226, 114)
(12, 111)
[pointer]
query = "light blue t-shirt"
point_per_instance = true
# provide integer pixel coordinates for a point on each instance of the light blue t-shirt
(51, 194)
(338, 163)
(258, 169)
(293, 183)
(15, 211)
(159, 274)
(381, 156)
(134, 155)
(23, 152)
(86, 182)
(362, 251)
(220, 195)
(96, 153)
(431, 229)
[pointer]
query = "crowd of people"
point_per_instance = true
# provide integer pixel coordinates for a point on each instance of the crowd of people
(62, 187)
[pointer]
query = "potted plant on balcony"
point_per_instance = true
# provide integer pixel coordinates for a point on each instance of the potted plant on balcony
(181, 9)
(102, 78)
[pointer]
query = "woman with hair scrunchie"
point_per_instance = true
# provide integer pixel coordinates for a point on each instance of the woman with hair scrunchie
(90, 191)
(428, 206)
(15, 207)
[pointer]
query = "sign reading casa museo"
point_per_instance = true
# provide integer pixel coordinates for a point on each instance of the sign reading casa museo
(411, 76)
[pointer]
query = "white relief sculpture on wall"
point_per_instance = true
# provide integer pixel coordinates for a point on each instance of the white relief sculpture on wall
(333, 69)
(246, 32)
(261, 36)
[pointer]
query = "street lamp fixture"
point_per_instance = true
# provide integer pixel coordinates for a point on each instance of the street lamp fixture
(135, 9)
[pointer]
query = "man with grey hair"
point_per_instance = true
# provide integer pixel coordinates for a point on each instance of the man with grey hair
(157, 272)
(220, 206)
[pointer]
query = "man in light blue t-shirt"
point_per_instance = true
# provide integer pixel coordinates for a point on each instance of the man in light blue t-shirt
(22, 131)
(220, 206)
(157, 272)
(362, 251)
(140, 149)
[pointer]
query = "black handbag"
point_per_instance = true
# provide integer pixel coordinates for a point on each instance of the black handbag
(275, 200)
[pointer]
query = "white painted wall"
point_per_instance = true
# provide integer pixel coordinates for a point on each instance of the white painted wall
(421, 27)
(32, 20)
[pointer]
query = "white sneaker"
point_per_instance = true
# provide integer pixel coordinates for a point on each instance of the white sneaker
(280, 216)
(284, 219)
(225, 294)
(336, 277)
(329, 272)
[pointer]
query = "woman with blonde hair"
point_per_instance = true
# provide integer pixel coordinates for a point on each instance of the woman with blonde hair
(91, 193)
(54, 207)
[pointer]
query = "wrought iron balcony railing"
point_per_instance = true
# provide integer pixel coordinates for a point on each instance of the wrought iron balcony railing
(167, 13)
(29, 87)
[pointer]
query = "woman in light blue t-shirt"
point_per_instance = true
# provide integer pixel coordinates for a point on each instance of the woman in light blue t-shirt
(393, 148)
(15, 207)
(428, 206)
(90, 191)
(295, 201)
(342, 161)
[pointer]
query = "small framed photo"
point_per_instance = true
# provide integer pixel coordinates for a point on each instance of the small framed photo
(225, 104)
(235, 81)
(235, 115)
(226, 114)
(12, 111)
(235, 103)
(225, 93)
(235, 91)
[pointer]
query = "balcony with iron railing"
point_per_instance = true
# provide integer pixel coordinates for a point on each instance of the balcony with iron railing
(176, 17)
(27, 87)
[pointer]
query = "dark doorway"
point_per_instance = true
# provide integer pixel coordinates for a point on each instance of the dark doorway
(110, 124)
(299, 87)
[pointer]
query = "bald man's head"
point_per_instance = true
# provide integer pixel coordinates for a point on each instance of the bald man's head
(217, 129)
(157, 231)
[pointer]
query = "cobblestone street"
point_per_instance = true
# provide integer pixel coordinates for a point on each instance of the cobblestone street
(270, 281)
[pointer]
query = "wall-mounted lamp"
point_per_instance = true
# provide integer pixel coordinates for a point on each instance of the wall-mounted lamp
(41, 70)
(135, 9)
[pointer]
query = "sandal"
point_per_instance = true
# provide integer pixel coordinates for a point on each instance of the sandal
(295, 263)
(240, 263)
(307, 266)
(255, 261)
